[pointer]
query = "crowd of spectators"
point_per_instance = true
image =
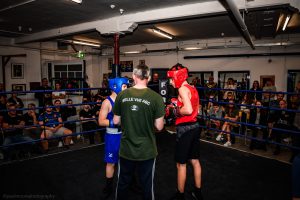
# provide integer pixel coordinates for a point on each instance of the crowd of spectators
(224, 113)
(55, 116)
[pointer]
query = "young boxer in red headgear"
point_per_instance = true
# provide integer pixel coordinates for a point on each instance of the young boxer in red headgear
(185, 108)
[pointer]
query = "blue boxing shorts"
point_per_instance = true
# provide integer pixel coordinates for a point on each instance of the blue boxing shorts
(112, 145)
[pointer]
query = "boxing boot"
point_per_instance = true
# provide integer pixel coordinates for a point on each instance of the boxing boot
(178, 196)
(197, 194)
(108, 189)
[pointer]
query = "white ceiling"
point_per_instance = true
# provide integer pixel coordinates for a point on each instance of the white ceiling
(93, 20)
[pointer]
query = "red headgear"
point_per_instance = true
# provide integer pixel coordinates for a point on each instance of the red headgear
(178, 75)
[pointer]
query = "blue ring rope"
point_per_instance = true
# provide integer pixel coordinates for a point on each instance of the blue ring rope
(202, 116)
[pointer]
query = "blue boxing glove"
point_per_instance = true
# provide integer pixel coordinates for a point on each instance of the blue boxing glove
(111, 123)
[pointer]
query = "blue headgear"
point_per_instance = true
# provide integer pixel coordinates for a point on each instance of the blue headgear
(115, 84)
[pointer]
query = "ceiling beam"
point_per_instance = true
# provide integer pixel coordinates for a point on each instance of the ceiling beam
(238, 17)
(127, 23)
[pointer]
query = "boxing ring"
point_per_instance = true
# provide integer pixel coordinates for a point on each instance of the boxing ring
(78, 173)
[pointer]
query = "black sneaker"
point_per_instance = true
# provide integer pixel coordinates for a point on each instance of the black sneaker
(107, 191)
(197, 194)
(178, 196)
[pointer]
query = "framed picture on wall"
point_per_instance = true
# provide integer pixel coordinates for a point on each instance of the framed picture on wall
(19, 88)
(126, 66)
(265, 78)
(142, 62)
(17, 71)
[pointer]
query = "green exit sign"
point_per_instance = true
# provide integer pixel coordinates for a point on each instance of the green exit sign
(80, 54)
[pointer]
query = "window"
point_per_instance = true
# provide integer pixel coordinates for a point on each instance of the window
(202, 76)
(241, 80)
(70, 75)
(68, 71)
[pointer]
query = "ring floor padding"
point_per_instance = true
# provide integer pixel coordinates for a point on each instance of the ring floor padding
(79, 174)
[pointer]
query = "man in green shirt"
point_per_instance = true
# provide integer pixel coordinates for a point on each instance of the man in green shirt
(139, 110)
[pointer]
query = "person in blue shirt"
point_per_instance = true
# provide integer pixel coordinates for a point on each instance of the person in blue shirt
(52, 126)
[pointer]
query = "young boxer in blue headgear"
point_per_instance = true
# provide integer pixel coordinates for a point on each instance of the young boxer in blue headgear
(113, 134)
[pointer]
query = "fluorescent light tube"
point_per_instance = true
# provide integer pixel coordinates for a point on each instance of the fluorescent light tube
(86, 43)
(192, 48)
(132, 52)
(162, 33)
(287, 19)
(77, 1)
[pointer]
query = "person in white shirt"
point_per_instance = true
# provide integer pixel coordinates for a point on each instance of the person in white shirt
(59, 94)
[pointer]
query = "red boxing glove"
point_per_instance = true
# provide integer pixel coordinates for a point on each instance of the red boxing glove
(169, 110)
(172, 111)
(176, 102)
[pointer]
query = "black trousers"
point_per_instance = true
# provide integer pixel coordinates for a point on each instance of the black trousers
(255, 143)
(279, 134)
(89, 126)
(145, 172)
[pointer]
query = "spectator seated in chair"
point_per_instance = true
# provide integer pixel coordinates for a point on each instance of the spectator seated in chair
(17, 101)
(244, 112)
(232, 114)
(51, 124)
(214, 112)
(13, 125)
(96, 111)
(258, 116)
(256, 95)
(88, 121)
(32, 128)
(68, 113)
(282, 119)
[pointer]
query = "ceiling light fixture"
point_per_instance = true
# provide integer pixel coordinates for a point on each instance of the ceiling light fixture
(131, 52)
(85, 43)
(287, 19)
(192, 48)
(77, 1)
(162, 33)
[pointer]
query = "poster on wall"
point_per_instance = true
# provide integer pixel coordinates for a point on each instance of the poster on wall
(17, 71)
(267, 78)
(142, 62)
(19, 88)
(126, 66)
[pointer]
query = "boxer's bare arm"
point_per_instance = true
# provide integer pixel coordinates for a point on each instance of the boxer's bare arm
(185, 97)
(105, 109)
(159, 123)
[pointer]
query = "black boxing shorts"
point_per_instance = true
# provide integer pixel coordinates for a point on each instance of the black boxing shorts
(187, 142)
